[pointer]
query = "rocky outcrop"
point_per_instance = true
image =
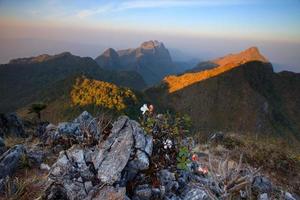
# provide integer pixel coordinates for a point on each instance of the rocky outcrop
(11, 125)
(93, 172)
(83, 129)
(9, 161)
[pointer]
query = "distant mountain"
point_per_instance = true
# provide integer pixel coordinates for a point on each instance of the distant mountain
(251, 54)
(243, 94)
(25, 80)
(152, 60)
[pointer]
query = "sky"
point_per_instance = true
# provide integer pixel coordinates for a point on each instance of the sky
(200, 29)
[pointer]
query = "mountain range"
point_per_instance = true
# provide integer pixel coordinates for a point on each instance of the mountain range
(152, 60)
(236, 93)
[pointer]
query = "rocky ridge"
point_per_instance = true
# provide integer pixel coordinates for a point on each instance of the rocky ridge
(152, 60)
(128, 163)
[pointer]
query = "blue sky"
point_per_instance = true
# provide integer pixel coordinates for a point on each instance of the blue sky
(272, 19)
(260, 21)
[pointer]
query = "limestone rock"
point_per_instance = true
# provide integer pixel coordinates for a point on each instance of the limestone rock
(196, 194)
(11, 125)
(9, 161)
(261, 184)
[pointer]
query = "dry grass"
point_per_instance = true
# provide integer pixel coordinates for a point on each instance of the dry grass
(12, 141)
(25, 185)
(278, 159)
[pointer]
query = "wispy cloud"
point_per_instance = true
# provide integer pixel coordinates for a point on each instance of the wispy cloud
(135, 4)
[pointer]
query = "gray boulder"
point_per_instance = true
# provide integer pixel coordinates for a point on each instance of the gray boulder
(79, 170)
(82, 129)
(113, 157)
(9, 161)
(263, 196)
(195, 193)
(168, 180)
(143, 145)
(261, 184)
(88, 124)
(289, 196)
(142, 192)
(70, 172)
(11, 125)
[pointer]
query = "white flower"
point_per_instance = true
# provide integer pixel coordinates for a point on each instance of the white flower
(144, 108)
(167, 144)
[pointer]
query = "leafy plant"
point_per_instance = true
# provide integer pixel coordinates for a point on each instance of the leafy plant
(183, 158)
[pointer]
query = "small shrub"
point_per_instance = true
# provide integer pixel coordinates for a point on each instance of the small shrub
(183, 158)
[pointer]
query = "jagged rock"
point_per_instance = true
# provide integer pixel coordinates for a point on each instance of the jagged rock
(36, 153)
(195, 194)
(113, 154)
(79, 170)
(263, 196)
(44, 166)
(83, 129)
(142, 192)
(11, 125)
(36, 156)
(70, 128)
(261, 184)
(71, 172)
(9, 161)
(88, 124)
(48, 136)
(143, 145)
(168, 180)
(289, 196)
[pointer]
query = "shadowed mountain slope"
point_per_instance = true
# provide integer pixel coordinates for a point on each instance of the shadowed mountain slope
(247, 98)
(22, 81)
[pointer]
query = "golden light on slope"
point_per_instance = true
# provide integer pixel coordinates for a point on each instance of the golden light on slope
(226, 63)
(92, 92)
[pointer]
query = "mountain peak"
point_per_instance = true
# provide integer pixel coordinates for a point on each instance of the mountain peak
(223, 64)
(39, 59)
(110, 52)
(248, 55)
(151, 44)
(254, 53)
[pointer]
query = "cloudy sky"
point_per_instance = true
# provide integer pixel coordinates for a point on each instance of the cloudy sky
(201, 29)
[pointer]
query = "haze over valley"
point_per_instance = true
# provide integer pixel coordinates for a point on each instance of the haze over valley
(149, 100)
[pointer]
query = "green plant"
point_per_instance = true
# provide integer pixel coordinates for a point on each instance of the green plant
(183, 158)
(170, 125)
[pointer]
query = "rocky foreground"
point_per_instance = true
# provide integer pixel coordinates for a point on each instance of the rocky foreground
(91, 158)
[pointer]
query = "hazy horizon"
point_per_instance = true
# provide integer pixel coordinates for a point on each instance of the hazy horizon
(198, 29)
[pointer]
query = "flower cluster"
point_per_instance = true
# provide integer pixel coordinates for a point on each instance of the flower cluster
(167, 144)
(145, 108)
